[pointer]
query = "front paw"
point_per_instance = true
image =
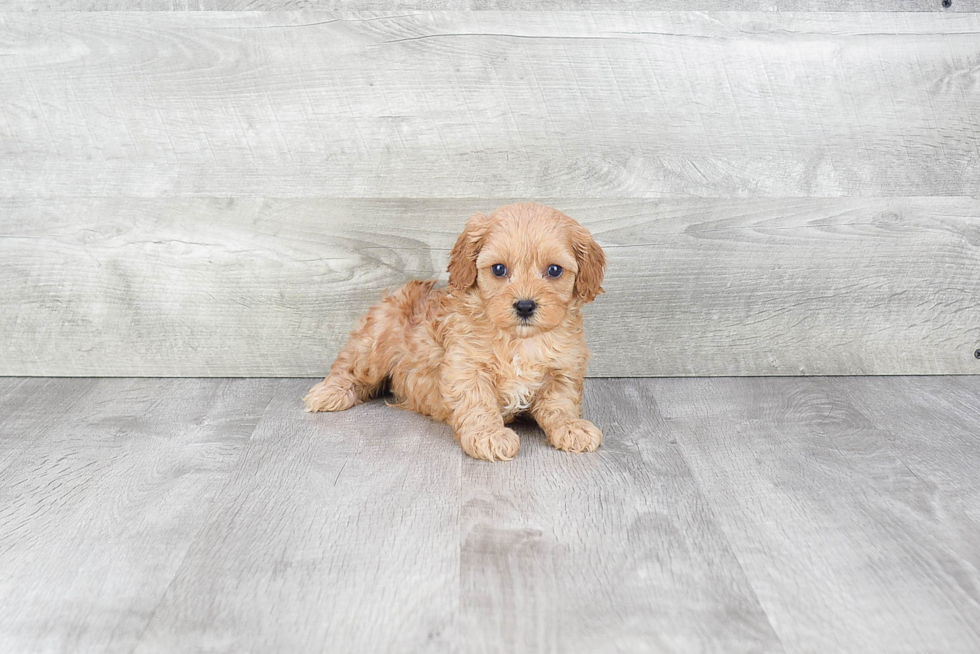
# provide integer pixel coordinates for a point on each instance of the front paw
(576, 436)
(491, 444)
(332, 394)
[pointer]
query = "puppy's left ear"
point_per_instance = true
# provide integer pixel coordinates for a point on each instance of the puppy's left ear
(591, 264)
(462, 260)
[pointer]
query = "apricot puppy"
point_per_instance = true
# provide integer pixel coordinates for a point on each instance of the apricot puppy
(504, 338)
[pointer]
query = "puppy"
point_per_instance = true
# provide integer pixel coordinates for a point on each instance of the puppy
(504, 338)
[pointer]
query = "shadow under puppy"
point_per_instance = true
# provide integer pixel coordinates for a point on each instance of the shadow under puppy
(504, 338)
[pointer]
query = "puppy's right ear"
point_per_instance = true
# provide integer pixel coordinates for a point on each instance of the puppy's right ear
(591, 264)
(462, 260)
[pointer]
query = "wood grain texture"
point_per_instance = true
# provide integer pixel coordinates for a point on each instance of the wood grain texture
(492, 5)
(608, 553)
(29, 410)
(100, 508)
(489, 104)
(720, 515)
(213, 287)
(336, 533)
(839, 500)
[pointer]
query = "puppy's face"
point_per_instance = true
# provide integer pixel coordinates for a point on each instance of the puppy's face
(530, 264)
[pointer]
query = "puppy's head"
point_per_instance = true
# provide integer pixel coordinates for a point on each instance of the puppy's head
(529, 263)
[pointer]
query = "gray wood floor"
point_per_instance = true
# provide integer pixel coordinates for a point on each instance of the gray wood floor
(726, 515)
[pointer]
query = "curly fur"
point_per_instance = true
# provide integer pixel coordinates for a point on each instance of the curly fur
(461, 354)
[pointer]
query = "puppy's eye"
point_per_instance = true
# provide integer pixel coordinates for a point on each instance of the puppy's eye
(498, 269)
(555, 271)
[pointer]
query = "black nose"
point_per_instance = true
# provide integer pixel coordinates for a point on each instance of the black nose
(525, 308)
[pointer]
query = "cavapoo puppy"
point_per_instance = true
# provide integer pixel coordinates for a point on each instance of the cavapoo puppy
(504, 338)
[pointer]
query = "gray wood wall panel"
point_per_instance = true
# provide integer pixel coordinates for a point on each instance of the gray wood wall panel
(489, 104)
(484, 5)
(221, 193)
(221, 287)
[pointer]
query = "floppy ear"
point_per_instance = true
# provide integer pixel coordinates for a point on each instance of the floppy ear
(591, 264)
(462, 260)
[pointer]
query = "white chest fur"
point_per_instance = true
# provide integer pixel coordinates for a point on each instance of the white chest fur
(522, 374)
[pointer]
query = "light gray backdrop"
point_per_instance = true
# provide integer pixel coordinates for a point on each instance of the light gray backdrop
(789, 188)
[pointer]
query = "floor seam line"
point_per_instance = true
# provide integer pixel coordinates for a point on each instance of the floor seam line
(204, 523)
(709, 504)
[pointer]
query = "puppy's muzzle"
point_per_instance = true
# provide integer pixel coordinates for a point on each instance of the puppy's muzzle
(525, 308)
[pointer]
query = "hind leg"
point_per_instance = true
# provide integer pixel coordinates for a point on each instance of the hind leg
(359, 371)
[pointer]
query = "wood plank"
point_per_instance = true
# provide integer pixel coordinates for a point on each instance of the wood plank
(935, 422)
(849, 545)
(212, 287)
(30, 409)
(488, 5)
(798, 515)
(612, 551)
(97, 514)
(337, 533)
(489, 104)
